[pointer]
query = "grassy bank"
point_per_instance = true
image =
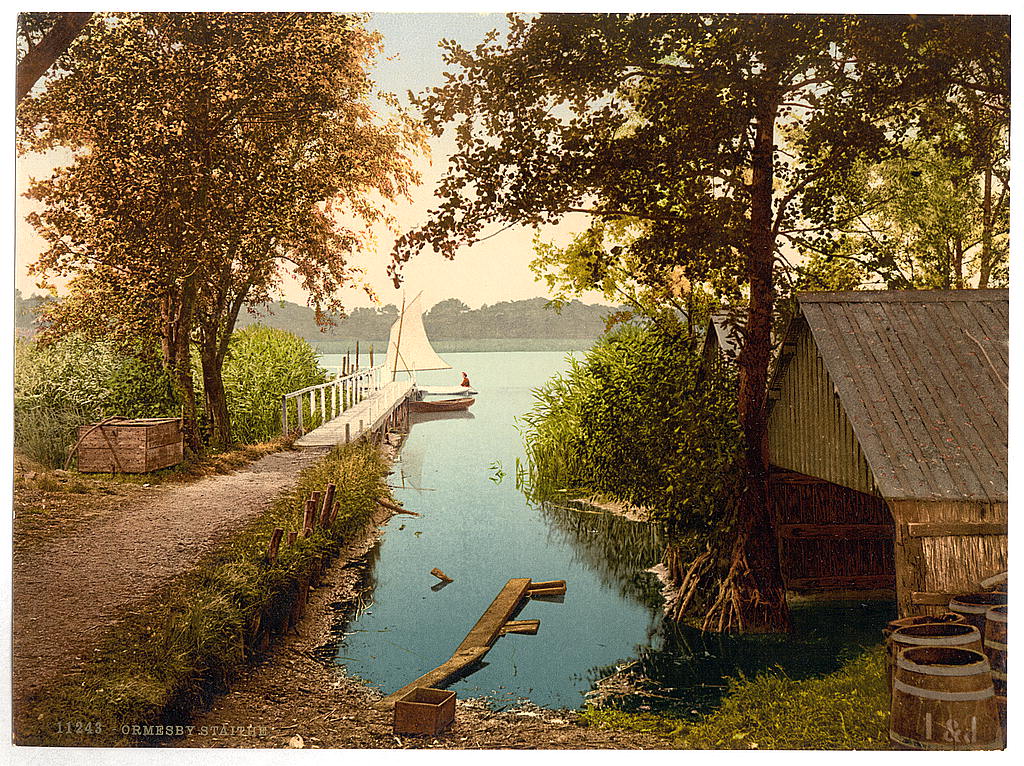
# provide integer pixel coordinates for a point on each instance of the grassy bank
(177, 648)
(845, 710)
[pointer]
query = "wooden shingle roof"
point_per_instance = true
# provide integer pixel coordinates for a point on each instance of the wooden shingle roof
(923, 378)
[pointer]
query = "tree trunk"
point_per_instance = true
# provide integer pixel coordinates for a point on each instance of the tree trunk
(175, 315)
(987, 225)
(758, 595)
(958, 262)
(216, 401)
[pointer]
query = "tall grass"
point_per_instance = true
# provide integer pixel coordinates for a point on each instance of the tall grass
(70, 382)
(262, 364)
(61, 385)
(164, 659)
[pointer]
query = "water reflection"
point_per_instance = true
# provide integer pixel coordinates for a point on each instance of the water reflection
(618, 550)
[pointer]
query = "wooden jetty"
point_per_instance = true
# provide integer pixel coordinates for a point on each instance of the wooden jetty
(344, 409)
(495, 622)
(365, 417)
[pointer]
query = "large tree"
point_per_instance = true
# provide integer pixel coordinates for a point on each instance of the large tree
(717, 135)
(927, 219)
(213, 152)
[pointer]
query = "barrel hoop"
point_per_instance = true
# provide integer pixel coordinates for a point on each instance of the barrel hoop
(999, 676)
(981, 666)
(970, 608)
(940, 640)
(917, 744)
(932, 694)
(994, 616)
(995, 644)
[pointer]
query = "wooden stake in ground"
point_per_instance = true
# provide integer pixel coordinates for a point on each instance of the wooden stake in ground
(334, 514)
(307, 519)
(291, 538)
(315, 497)
(275, 543)
(328, 504)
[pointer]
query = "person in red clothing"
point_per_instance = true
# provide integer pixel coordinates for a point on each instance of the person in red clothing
(465, 380)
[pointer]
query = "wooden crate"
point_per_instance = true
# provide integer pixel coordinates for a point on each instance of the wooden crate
(130, 446)
(424, 711)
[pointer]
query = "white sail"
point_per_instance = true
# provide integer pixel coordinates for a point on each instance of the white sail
(409, 349)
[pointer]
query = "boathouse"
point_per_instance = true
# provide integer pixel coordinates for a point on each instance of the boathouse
(722, 341)
(887, 438)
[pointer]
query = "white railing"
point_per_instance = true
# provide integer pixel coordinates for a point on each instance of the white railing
(330, 399)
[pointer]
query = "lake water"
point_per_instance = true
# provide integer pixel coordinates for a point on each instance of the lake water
(459, 473)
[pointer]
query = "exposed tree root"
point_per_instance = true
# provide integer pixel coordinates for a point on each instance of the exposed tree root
(746, 598)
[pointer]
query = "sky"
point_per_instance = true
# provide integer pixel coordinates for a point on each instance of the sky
(492, 271)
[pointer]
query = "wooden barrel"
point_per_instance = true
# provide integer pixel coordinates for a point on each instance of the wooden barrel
(974, 605)
(995, 582)
(942, 699)
(919, 619)
(995, 648)
(951, 634)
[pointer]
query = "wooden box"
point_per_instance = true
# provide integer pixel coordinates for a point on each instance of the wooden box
(424, 711)
(130, 446)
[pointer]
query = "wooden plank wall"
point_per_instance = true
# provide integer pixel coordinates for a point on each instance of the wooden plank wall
(946, 548)
(831, 537)
(808, 432)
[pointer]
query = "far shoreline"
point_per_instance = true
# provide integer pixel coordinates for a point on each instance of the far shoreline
(459, 346)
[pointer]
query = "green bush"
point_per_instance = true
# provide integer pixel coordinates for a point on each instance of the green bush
(262, 364)
(63, 384)
(632, 422)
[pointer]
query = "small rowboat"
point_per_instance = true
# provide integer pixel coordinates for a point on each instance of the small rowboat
(442, 405)
(449, 391)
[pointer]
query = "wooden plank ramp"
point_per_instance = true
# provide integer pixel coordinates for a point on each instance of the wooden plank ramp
(479, 640)
(362, 418)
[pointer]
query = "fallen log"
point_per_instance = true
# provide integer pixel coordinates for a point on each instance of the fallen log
(496, 621)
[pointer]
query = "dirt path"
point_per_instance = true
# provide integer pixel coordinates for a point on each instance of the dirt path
(68, 589)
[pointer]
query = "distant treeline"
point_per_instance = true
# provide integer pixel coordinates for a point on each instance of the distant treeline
(527, 325)
(449, 320)
(465, 345)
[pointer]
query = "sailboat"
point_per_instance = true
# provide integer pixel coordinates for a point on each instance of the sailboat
(409, 351)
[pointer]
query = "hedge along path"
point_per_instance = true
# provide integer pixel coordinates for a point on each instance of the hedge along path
(67, 591)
